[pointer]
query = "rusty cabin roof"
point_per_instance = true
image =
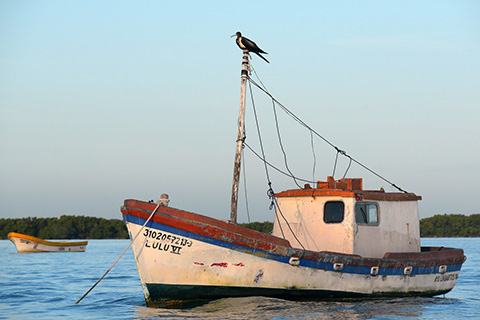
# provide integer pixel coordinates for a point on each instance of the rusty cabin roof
(347, 188)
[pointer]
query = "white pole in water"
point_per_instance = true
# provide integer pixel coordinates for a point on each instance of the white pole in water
(241, 127)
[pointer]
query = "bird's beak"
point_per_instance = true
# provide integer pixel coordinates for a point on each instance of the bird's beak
(233, 35)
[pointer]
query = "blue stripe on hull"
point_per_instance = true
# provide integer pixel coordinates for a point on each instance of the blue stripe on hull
(285, 259)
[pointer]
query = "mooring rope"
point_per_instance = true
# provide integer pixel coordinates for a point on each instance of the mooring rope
(131, 241)
(6, 247)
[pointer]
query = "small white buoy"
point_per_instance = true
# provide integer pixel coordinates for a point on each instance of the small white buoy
(163, 200)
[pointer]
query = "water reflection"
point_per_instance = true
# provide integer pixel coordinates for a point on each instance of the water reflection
(269, 308)
(46, 286)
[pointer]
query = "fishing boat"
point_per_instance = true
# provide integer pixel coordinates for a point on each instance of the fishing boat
(25, 243)
(331, 240)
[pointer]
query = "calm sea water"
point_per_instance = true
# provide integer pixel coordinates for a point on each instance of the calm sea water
(46, 285)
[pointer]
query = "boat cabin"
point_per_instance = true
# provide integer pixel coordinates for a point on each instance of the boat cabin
(339, 216)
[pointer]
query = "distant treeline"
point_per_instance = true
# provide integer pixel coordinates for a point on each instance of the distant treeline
(451, 225)
(65, 227)
(265, 227)
(446, 225)
(80, 227)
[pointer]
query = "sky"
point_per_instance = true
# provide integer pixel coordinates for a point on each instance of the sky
(102, 101)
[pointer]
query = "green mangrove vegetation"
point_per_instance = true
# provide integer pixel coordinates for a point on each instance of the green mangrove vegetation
(65, 227)
(80, 227)
(450, 225)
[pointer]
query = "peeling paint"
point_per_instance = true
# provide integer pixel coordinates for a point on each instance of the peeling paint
(220, 264)
(259, 276)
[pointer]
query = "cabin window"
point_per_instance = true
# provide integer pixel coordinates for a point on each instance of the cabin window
(366, 213)
(333, 211)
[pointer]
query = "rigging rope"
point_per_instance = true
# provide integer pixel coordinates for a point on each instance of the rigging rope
(278, 129)
(288, 224)
(258, 132)
(313, 153)
(274, 167)
(262, 157)
(270, 192)
(256, 75)
(281, 145)
(339, 151)
(245, 182)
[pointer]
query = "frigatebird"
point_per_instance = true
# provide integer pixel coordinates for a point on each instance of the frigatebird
(248, 45)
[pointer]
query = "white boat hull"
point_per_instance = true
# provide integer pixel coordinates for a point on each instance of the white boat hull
(176, 265)
(27, 244)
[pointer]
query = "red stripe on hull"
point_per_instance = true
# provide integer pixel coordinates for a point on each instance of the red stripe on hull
(235, 234)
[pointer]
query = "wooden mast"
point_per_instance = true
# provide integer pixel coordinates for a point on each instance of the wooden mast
(241, 127)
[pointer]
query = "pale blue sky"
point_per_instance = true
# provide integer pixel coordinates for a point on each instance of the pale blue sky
(101, 101)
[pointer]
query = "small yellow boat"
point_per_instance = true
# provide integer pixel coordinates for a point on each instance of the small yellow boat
(26, 243)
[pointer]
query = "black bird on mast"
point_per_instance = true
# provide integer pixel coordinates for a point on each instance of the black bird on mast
(248, 45)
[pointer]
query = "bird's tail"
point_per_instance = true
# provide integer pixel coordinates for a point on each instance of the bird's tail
(258, 54)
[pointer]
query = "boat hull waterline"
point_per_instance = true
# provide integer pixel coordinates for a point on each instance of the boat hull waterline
(28, 244)
(184, 257)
